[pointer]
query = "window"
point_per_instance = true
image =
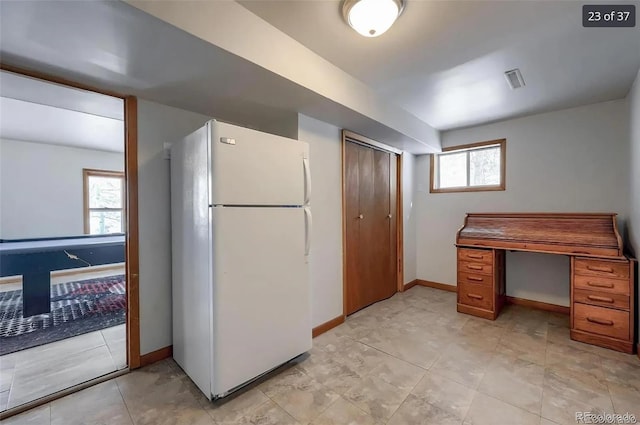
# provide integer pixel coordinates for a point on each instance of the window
(469, 168)
(103, 201)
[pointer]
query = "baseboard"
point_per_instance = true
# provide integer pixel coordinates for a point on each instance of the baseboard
(156, 356)
(436, 285)
(410, 285)
(539, 305)
(319, 330)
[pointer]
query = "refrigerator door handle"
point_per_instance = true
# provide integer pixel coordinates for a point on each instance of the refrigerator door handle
(307, 180)
(308, 225)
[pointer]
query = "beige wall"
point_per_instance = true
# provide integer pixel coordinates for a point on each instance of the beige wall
(326, 205)
(157, 124)
(573, 160)
(634, 175)
(634, 161)
(409, 219)
(325, 263)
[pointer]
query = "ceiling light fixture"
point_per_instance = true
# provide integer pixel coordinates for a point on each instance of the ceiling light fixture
(371, 18)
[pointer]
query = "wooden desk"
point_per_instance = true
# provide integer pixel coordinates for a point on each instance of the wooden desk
(602, 277)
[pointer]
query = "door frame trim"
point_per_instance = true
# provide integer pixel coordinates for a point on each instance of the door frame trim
(365, 141)
(132, 257)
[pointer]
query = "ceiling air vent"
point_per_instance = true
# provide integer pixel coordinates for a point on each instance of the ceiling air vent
(514, 78)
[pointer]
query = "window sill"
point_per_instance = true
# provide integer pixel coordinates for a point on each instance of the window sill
(468, 189)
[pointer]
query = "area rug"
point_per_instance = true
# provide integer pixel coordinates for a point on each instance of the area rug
(76, 308)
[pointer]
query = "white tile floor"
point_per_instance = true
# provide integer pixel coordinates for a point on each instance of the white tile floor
(39, 371)
(409, 360)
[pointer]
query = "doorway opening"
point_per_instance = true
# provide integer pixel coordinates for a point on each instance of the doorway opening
(68, 237)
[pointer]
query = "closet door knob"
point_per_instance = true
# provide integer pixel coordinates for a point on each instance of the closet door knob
(389, 216)
(361, 216)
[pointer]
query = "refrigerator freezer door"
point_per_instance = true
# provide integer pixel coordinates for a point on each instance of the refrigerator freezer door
(260, 292)
(249, 167)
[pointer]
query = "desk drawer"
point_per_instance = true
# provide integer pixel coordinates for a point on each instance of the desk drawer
(475, 279)
(602, 321)
(601, 284)
(475, 295)
(475, 255)
(468, 267)
(602, 268)
(602, 299)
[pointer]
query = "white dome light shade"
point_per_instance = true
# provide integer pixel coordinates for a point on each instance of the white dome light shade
(371, 18)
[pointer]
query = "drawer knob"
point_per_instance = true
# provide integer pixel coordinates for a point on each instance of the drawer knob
(600, 269)
(600, 284)
(600, 321)
(477, 257)
(474, 267)
(474, 278)
(475, 297)
(601, 299)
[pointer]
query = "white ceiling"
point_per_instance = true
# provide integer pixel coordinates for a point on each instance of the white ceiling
(38, 111)
(115, 46)
(444, 60)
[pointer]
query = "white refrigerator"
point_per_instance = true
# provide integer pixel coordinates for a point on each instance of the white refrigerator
(241, 234)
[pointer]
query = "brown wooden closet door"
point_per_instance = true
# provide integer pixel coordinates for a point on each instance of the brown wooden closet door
(352, 226)
(367, 241)
(369, 231)
(379, 262)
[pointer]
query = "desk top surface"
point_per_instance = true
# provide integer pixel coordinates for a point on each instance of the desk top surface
(585, 234)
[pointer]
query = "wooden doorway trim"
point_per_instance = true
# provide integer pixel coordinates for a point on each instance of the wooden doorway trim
(400, 227)
(365, 141)
(133, 246)
(132, 257)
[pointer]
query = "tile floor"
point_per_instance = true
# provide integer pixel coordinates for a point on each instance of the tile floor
(407, 360)
(39, 371)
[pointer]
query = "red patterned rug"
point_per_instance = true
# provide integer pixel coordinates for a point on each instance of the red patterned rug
(76, 308)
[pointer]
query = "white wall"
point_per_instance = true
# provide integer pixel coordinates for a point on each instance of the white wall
(634, 161)
(157, 124)
(574, 160)
(41, 187)
(325, 263)
(409, 219)
(634, 175)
